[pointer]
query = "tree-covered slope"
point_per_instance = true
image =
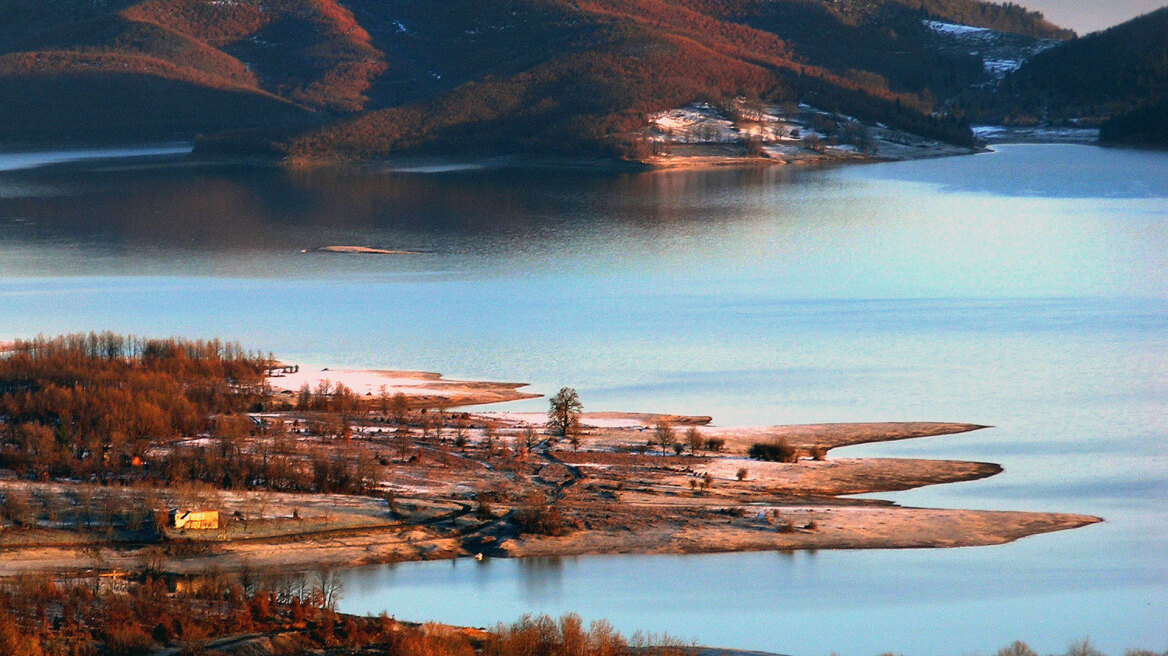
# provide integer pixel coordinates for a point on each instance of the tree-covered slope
(365, 78)
(1102, 74)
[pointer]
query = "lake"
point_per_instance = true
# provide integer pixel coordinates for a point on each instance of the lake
(1025, 288)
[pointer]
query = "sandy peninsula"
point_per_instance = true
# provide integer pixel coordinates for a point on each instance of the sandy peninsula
(452, 482)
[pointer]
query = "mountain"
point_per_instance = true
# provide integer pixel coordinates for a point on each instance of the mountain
(314, 79)
(1110, 73)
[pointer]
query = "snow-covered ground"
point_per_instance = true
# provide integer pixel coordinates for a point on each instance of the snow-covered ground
(1001, 53)
(702, 123)
(694, 123)
(1000, 68)
(1008, 134)
(785, 133)
(954, 28)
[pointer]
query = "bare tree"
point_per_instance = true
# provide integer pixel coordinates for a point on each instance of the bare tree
(16, 508)
(153, 560)
(564, 411)
(664, 434)
(460, 432)
(693, 437)
(400, 408)
(327, 587)
(489, 436)
(1017, 648)
(383, 401)
(404, 441)
(437, 418)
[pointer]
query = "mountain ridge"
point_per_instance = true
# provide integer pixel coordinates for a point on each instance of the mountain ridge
(364, 79)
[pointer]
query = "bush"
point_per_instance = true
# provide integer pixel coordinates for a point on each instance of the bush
(741, 473)
(775, 451)
(539, 517)
(483, 510)
(127, 639)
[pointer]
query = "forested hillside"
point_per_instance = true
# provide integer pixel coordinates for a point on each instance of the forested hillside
(1146, 126)
(364, 78)
(1108, 73)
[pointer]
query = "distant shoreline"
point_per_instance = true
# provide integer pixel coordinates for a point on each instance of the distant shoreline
(73, 152)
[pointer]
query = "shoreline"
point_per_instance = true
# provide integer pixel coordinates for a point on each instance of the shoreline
(608, 490)
(430, 164)
(426, 165)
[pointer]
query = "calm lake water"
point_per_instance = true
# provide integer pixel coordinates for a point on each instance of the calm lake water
(1025, 288)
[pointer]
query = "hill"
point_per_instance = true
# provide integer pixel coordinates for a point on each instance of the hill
(1108, 73)
(365, 78)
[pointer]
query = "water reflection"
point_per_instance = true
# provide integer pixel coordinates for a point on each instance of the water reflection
(215, 207)
(541, 579)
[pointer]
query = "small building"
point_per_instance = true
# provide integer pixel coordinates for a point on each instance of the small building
(195, 519)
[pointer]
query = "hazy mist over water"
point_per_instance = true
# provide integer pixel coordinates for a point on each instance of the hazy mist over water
(1024, 289)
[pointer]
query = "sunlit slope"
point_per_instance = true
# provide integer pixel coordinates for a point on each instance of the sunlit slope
(364, 78)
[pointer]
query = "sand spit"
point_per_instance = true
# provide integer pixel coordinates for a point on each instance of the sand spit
(833, 528)
(359, 250)
(421, 388)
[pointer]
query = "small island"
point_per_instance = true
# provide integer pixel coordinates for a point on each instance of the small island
(358, 250)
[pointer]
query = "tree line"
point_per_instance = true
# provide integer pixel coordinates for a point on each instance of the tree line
(42, 617)
(95, 404)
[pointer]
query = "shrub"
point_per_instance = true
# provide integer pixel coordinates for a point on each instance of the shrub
(741, 473)
(537, 516)
(128, 639)
(775, 451)
(483, 510)
(715, 443)
(14, 641)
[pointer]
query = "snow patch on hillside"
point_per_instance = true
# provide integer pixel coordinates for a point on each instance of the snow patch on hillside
(1001, 53)
(953, 28)
(694, 123)
(786, 133)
